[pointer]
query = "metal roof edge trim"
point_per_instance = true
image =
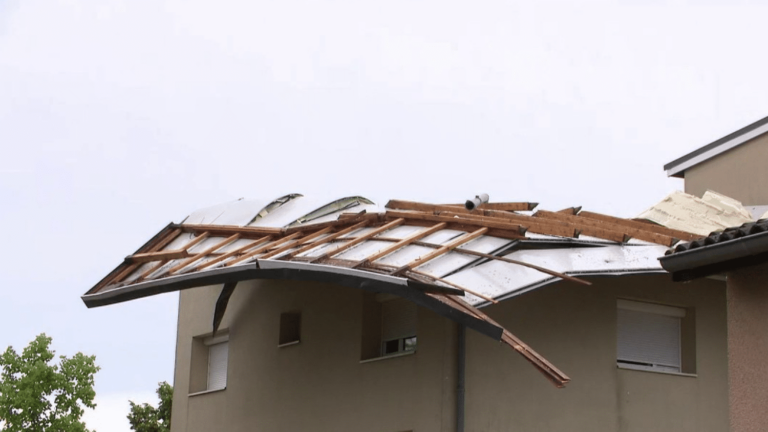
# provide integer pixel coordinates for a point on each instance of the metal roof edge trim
(679, 165)
(716, 253)
(402, 287)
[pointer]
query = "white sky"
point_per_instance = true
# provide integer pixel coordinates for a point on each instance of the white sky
(117, 117)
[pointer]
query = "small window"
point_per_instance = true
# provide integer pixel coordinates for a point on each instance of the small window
(209, 362)
(290, 328)
(398, 326)
(649, 336)
(218, 355)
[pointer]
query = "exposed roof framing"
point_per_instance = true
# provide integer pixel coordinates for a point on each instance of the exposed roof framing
(431, 254)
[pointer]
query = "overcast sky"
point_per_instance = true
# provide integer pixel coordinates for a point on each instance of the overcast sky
(117, 117)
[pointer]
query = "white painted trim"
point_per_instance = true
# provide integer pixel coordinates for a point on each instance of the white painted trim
(644, 369)
(650, 308)
(206, 392)
(724, 147)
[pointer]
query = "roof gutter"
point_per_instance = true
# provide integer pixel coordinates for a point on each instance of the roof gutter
(717, 258)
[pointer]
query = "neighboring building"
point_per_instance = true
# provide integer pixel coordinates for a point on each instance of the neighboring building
(349, 317)
(736, 166)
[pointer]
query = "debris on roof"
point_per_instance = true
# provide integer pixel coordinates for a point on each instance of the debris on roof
(711, 212)
(444, 257)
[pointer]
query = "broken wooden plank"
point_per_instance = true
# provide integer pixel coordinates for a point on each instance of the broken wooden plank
(608, 230)
(402, 243)
(158, 256)
(555, 228)
(453, 244)
(360, 239)
(369, 217)
(502, 224)
(682, 235)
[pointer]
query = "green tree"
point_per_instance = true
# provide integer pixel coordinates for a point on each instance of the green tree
(39, 395)
(146, 418)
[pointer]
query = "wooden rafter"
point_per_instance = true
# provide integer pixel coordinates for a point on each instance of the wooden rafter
(241, 249)
(519, 206)
(151, 270)
(556, 228)
(457, 286)
(471, 221)
(294, 243)
(326, 239)
(158, 256)
(402, 243)
(246, 232)
(360, 239)
(161, 243)
(453, 244)
(204, 253)
(262, 248)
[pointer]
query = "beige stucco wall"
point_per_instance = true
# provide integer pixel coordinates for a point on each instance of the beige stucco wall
(320, 385)
(738, 173)
(575, 328)
(748, 348)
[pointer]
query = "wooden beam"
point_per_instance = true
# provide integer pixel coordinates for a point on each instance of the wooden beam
(242, 249)
(570, 210)
(327, 239)
(161, 243)
(474, 221)
(682, 235)
(360, 239)
(158, 256)
(453, 244)
(295, 243)
(369, 217)
(227, 230)
(402, 243)
(517, 206)
(150, 270)
(202, 254)
(263, 248)
(608, 230)
(555, 228)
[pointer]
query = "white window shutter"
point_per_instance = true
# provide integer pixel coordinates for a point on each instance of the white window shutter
(218, 355)
(649, 339)
(398, 319)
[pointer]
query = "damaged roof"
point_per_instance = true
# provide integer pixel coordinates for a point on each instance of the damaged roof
(443, 257)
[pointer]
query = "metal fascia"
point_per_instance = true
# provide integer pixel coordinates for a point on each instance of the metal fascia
(678, 166)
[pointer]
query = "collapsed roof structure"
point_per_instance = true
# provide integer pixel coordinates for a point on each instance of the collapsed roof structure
(446, 258)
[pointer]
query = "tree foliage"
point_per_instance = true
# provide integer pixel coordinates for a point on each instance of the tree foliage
(146, 418)
(39, 395)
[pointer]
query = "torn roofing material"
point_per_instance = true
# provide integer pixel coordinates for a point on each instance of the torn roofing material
(711, 212)
(440, 256)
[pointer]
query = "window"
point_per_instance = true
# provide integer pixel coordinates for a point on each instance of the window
(208, 368)
(218, 354)
(398, 326)
(650, 336)
(290, 329)
(389, 326)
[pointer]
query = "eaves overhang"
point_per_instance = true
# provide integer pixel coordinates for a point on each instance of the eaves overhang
(677, 167)
(717, 258)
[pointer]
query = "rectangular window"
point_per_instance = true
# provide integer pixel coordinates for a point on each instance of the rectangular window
(209, 363)
(649, 336)
(290, 328)
(218, 355)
